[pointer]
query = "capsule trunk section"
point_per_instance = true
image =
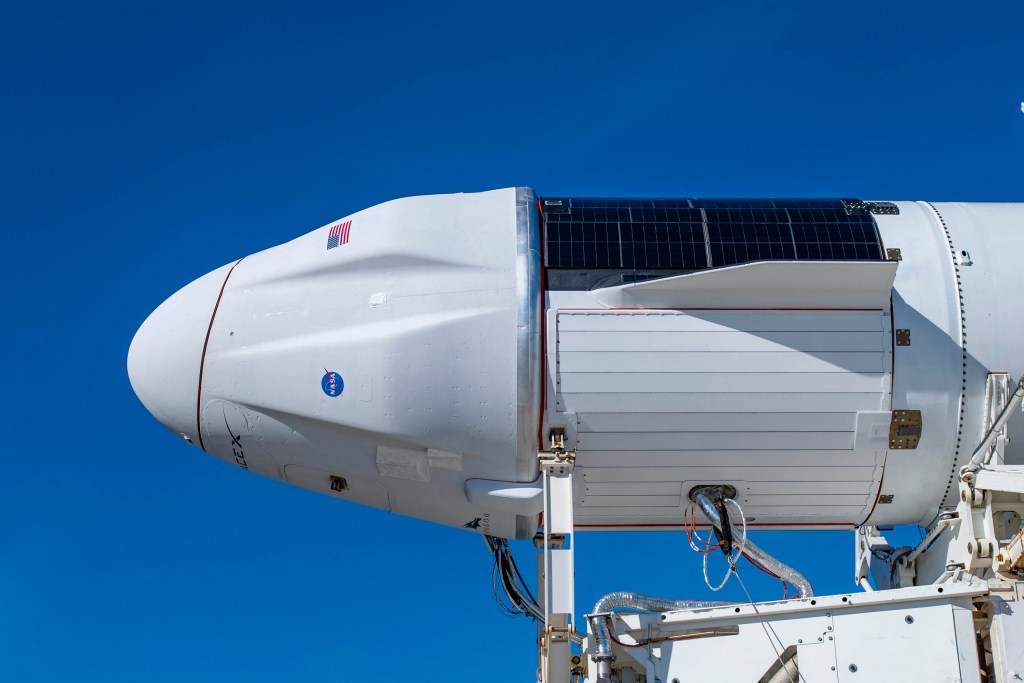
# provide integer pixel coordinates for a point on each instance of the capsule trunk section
(768, 345)
(415, 356)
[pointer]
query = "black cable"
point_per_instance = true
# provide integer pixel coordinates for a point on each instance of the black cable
(514, 585)
(726, 527)
(522, 581)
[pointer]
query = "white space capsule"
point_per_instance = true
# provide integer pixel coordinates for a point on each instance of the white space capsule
(827, 358)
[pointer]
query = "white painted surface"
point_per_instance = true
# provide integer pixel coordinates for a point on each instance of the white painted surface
(653, 410)
(561, 581)
(164, 358)
(421, 313)
(431, 314)
(764, 284)
(992, 284)
(1007, 635)
(912, 634)
(560, 517)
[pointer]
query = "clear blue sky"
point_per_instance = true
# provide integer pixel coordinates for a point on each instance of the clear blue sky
(145, 146)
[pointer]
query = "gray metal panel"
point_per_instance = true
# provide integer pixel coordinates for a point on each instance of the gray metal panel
(528, 338)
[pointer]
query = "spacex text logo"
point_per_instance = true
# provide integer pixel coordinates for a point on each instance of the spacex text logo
(236, 446)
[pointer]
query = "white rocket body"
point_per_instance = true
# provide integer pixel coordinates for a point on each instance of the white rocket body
(415, 357)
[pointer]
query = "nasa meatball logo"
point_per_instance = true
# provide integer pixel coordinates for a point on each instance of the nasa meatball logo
(332, 383)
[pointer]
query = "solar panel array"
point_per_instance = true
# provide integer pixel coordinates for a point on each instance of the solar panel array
(695, 234)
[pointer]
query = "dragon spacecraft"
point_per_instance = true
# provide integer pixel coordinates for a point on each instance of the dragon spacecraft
(416, 355)
(820, 363)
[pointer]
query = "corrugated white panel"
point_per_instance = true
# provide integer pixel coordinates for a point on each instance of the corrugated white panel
(711, 472)
(766, 400)
(722, 341)
(710, 441)
(717, 382)
(647, 488)
(717, 361)
(721, 321)
(595, 459)
(797, 515)
(805, 402)
(632, 501)
(808, 500)
(715, 422)
(787, 488)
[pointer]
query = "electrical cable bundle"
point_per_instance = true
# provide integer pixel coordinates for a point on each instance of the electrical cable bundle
(715, 507)
(519, 598)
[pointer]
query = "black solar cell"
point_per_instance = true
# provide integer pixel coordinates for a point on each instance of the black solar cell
(695, 234)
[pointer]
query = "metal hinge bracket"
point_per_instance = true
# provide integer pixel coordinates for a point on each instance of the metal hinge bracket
(558, 460)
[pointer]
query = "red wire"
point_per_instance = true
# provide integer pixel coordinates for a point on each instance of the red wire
(611, 634)
(785, 586)
(691, 531)
(690, 528)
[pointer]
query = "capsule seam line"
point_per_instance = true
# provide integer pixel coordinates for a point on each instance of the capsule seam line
(202, 360)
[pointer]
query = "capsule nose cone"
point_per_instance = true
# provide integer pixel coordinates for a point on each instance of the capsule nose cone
(166, 354)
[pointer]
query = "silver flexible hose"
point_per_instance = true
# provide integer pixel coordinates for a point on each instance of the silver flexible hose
(602, 655)
(704, 497)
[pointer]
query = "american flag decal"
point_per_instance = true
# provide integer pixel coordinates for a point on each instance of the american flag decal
(339, 234)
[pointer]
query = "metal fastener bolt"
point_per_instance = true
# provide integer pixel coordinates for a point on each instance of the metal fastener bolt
(909, 619)
(853, 668)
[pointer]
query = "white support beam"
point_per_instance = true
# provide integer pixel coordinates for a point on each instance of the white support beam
(558, 570)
